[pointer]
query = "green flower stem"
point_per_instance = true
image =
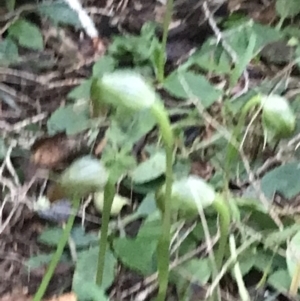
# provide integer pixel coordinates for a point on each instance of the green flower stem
(58, 253)
(163, 256)
(163, 51)
(244, 295)
(109, 193)
(224, 223)
(231, 150)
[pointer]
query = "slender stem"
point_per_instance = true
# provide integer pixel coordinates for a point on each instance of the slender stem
(231, 149)
(109, 193)
(224, 223)
(163, 257)
(244, 295)
(162, 54)
(295, 281)
(58, 253)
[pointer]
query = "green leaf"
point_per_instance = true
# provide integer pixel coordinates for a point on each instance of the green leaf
(280, 280)
(246, 40)
(137, 254)
(289, 8)
(42, 259)
(212, 59)
(119, 162)
(8, 52)
(60, 13)
(86, 269)
(138, 50)
(150, 169)
(50, 236)
(27, 34)
(239, 39)
(89, 290)
(103, 65)
(10, 4)
(81, 239)
(199, 270)
(82, 91)
(151, 228)
(147, 206)
(70, 118)
(246, 262)
(186, 84)
(127, 129)
(284, 179)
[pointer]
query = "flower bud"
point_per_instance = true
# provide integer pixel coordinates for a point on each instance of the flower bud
(188, 196)
(278, 118)
(125, 88)
(83, 176)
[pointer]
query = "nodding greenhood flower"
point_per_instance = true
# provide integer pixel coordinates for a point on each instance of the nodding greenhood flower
(278, 118)
(125, 88)
(85, 175)
(188, 196)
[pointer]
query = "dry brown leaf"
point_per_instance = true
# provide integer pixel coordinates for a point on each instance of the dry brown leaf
(100, 146)
(55, 151)
(16, 295)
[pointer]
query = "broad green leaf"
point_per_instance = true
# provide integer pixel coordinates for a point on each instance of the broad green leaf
(247, 40)
(42, 259)
(10, 4)
(280, 280)
(147, 206)
(243, 60)
(287, 9)
(284, 179)
(27, 34)
(138, 50)
(150, 169)
(246, 262)
(85, 175)
(137, 254)
(70, 118)
(8, 52)
(186, 84)
(82, 91)
(199, 270)
(127, 129)
(293, 254)
(60, 13)
(103, 65)
(239, 38)
(211, 58)
(89, 290)
(151, 228)
(50, 236)
(81, 239)
(86, 269)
